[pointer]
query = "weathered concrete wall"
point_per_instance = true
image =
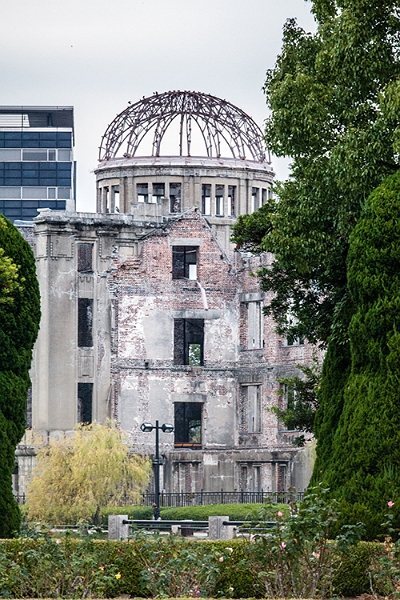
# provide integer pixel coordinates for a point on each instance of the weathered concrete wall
(131, 363)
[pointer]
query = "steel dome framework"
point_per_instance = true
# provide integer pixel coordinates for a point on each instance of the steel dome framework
(219, 121)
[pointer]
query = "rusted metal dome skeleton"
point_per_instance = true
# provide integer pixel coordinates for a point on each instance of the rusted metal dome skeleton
(221, 125)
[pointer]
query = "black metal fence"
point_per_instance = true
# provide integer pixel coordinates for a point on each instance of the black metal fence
(197, 498)
(176, 499)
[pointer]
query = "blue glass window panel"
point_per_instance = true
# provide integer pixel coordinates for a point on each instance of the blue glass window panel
(30, 204)
(12, 204)
(64, 182)
(48, 204)
(47, 144)
(11, 166)
(64, 166)
(12, 135)
(8, 181)
(48, 135)
(30, 174)
(10, 212)
(48, 181)
(48, 140)
(48, 166)
(64, 139)
(29, 212)
(12, 144)
(30, 144)
(31, 135)
(30, 140)
(64, 144)
(61, 205)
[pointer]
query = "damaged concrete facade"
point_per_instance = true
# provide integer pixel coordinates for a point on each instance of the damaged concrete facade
(150, 314)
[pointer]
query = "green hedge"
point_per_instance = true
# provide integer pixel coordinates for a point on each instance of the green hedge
(235, 512)
(50, 568)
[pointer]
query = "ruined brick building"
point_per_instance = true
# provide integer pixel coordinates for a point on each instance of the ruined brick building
(149, 313)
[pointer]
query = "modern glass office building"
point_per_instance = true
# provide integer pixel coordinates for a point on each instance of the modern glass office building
(36, 160)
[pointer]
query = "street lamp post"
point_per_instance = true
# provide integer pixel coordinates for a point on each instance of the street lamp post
(166, 428)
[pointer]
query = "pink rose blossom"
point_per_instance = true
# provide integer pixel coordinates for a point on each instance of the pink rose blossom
(221, 559)
(282, 546)
(390, 504)
(280, 514)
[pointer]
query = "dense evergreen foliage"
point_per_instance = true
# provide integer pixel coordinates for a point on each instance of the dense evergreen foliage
(363, 468)
(334, 98)
(19, 324)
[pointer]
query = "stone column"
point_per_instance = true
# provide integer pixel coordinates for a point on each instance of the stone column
(218, 531)
(116, 528)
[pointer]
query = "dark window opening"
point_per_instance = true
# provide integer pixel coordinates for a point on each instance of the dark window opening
(187, 424)
(142, 192)
(189, 342)
(206, 199)
(291, 340)
(219, 200)
(263, 197)
(184, 262)
(255, 199)
(289, 395)
(85, 258)
(85, 395)
(158, 191)
(281, 478)
(85, 323)
(175, 197)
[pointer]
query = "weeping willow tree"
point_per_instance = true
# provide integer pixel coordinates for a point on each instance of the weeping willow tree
(77, 476)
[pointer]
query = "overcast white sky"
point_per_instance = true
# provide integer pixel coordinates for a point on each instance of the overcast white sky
(97, 55)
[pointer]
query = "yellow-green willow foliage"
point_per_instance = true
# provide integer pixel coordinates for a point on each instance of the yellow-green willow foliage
(77, 476)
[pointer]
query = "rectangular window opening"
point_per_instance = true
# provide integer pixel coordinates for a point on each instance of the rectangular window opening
(85, 401)
(206, 199)
(189, 342)
(291, 340)
(231, 200)
(115, 198)
(175, 197)
(263, 196)
(158, 191)
(85, 322)
(142, 192)
(219, 200)
(184, 262)
(255, 199)
(187, 425)
(255, 325)
(250, 417)
(289, 396)
(85, 258)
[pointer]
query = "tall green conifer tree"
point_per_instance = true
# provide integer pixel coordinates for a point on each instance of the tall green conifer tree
(19, 324)
(364, 469)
